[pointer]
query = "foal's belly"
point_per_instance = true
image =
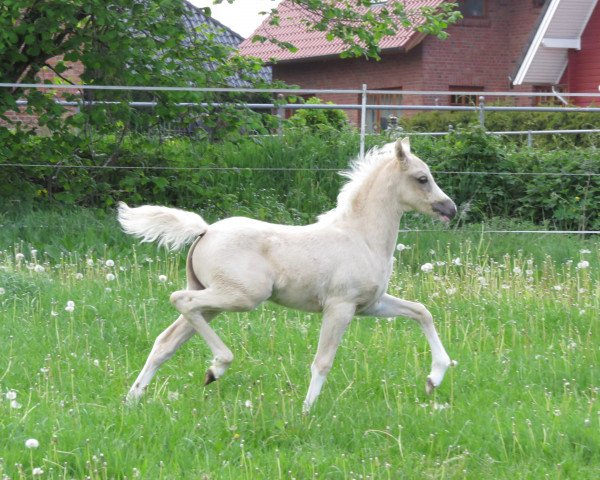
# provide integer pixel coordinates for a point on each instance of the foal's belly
(312, 297)
(305, 299)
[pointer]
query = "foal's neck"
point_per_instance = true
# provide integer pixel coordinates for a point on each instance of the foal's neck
(375, 210)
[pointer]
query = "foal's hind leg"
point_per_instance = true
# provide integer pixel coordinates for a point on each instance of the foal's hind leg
(164, 347)
(198, 306)
(389, 306)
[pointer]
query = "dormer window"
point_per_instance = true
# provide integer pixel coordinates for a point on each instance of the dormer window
(472, 8)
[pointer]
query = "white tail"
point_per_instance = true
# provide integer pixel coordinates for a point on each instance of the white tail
(172, 227)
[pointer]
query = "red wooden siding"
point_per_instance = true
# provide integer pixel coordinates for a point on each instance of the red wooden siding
(583, 72)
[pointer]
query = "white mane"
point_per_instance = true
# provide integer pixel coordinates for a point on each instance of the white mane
(360, 169)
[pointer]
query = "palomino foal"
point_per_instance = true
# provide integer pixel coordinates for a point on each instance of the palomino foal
(339, 266)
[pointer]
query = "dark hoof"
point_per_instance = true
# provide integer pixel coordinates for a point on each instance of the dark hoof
(209, 377)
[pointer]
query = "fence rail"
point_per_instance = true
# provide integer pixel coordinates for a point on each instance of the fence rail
(290, 91)
(363, 106)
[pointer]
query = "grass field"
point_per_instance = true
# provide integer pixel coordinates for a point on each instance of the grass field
(518, 312)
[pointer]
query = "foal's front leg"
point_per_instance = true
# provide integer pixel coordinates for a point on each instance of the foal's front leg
(389, 306)
(336, 317)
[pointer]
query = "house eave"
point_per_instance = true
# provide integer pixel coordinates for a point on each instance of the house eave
(551, 50)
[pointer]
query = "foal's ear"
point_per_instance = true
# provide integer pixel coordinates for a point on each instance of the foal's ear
(402, 149)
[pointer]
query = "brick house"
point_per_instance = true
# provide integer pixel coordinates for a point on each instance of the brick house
(484, 52)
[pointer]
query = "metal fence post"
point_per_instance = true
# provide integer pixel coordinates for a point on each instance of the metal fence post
(363, 119)
(280, 115)
(529, 139)
(482, 111)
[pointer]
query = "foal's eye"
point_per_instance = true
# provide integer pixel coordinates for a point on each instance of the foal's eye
(422, 180)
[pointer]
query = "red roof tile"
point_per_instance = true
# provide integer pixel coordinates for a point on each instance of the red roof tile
(313, 44)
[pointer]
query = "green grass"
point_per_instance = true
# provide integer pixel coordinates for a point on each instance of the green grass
(522, 402)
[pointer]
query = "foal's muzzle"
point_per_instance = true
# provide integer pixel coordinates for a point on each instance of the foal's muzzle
(446, 209)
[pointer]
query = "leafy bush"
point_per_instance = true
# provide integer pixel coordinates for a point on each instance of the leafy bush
(489, 177)
(319, 120)
(439, 121)
(293, 179)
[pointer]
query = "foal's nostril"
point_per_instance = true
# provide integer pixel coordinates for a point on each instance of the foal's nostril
(445, 209)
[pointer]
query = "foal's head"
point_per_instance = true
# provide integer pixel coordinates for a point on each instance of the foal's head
(418, 188)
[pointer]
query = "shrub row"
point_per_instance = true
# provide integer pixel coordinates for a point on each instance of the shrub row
(293, 179)
(442, 121)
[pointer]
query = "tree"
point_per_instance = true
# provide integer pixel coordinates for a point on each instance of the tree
(362, 24)
(126, 42)
(139, 42)
(150, 42)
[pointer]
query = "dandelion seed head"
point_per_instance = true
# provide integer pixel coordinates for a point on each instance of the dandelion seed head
(78, 276)
(89, 262)
(32, 443)
(427, 267)
(583, 264)
(14, 404)
(587, 422)
(11, 395)
(37, 472)
(558, 288)
(583, 251)
(457, 261)
(19, 257)
(517, 271)
(34, 253)
(248, 404)
(110, 277)
(162, 278)
(2, 291)
(39, 269)
(70, 306)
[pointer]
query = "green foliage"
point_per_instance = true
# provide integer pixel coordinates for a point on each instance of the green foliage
(294, 179)
(152, 43)
(220, 179)
(130, 43)
(360, 25)
(439, 121)
(319, 120)
(554, 188)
